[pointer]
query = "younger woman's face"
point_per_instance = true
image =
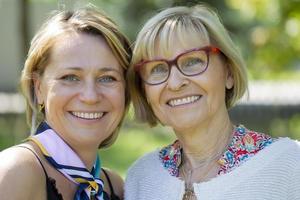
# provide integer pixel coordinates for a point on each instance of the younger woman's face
(83, 89)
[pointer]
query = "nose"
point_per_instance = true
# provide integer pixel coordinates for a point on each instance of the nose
(176, 80)
(89, 93)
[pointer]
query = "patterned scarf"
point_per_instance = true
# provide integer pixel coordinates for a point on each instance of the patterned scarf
(61, 156)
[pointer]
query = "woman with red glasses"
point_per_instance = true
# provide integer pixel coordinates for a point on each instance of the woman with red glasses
(186, 73)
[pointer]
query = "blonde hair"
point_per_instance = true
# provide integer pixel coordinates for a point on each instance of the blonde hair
(85, 20)
(156, 36)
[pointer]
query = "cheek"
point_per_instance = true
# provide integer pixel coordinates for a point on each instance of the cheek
(215, 79)
(57, 96)
(59, 93)
(116, 96)
(42, 92)
(120, 98)
(153, 94)
(153, 100)
(216, 98)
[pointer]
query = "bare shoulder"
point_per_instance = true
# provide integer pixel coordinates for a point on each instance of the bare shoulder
(116, 181)
(21, 175)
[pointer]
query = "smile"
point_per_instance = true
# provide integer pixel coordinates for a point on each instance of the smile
(88, 115)
(182, 101)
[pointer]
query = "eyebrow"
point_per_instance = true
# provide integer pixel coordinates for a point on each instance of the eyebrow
(104, 69)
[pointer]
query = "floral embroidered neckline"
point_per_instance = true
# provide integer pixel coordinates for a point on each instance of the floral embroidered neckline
(244, 144)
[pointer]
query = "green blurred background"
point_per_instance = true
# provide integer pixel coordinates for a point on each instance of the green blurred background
(266, 31)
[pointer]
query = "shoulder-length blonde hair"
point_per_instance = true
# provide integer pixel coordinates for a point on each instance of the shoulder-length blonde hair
(86, 20)
(156, 35)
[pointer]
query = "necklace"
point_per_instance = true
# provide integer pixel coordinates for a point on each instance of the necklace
(189, 193)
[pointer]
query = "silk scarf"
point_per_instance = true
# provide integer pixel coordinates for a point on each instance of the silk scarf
(62, 157)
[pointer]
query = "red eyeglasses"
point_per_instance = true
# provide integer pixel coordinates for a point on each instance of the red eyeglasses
(190, 63)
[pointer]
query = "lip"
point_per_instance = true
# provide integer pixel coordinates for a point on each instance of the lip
(183, 100)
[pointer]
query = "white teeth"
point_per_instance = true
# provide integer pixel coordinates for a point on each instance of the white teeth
(186, 100)
(83, 115)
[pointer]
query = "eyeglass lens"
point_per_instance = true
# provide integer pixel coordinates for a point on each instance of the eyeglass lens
(189, 64)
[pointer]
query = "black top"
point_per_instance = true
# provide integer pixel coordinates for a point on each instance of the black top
(52, 191)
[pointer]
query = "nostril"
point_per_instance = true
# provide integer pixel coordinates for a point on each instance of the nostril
(177, 85)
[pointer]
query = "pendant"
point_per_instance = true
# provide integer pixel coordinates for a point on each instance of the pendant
(93, 194)
(189, 195)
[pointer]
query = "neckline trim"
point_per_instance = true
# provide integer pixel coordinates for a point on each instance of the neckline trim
(244, 144)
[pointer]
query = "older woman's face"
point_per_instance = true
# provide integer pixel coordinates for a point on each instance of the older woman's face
(185, 102)
(83, 89)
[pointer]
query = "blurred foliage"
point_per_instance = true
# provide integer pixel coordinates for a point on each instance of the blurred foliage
(266, 31)
(289, 127)
(13, 129)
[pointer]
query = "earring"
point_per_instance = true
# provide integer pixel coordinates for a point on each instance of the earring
(41, 107)
(229, 84)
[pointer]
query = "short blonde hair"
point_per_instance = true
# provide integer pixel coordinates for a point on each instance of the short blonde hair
(156, 35)
(85, 20)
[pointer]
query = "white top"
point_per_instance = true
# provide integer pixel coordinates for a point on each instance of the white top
(271, 174)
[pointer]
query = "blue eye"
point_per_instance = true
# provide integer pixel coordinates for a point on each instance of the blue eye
(192, 62)
(106, 79)
(70, 78)
(159, 69)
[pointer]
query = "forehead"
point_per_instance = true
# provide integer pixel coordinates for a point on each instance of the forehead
(71, 43)
(82, 50)
(164, 37)
(179, 43)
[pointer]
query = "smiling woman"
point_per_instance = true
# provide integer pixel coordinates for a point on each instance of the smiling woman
(74, 85)
(82, 92)
(186, 73)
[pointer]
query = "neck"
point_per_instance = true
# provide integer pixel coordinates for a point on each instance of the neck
(88, 156)
(86, 152)
(207, 142)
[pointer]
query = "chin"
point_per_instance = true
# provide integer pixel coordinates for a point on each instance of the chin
(181, 126)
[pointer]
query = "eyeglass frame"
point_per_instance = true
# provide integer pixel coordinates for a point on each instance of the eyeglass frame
(174, 62)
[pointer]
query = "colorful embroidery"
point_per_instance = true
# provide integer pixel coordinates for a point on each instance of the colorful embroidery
(244, 144)
(171, 158)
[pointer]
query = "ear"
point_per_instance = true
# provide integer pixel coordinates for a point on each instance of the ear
(229, 79)
(37, 82)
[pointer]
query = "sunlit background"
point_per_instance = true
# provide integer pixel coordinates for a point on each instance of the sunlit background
(266, 31)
